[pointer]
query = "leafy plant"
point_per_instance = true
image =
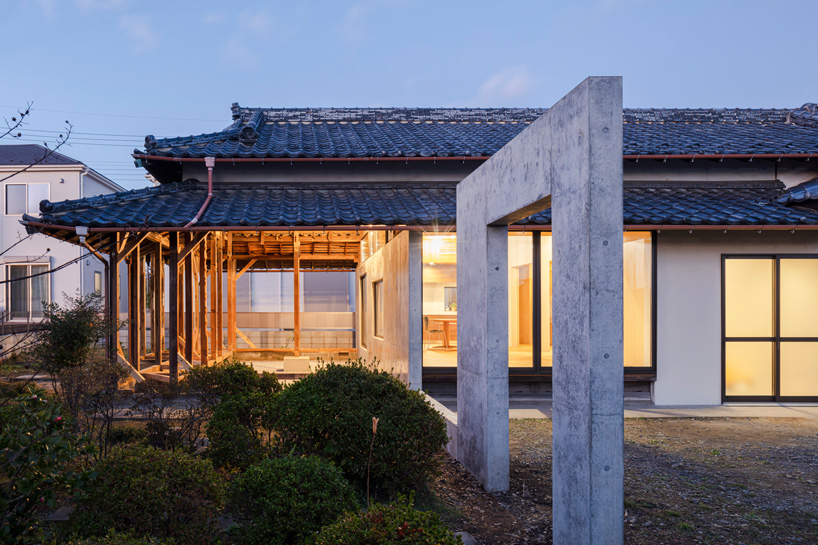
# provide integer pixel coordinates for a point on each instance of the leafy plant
(228, 378)
(115, 538)
(236, 434)
(174, 418)
(285, 500)
(37, 445)
(329, 413)
(396, 524)
(164, 494)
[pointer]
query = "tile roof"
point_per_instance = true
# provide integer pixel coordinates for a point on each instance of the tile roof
(267, 205)
(27, 154)
(807, 191)
(480, 132)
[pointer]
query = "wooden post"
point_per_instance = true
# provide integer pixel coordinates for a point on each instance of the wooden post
(203, 303)
(213, 305)
(134, 325)
(296, 295)
(231, 295)
(113, 298)
(189, 304)
(157, 309)
(220, 295)
(143, 316)
(173, 299)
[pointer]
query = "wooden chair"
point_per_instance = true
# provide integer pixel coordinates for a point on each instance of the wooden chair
(428, 332)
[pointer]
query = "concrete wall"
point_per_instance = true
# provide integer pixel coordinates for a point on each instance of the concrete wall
(688, 314)
(400, 349)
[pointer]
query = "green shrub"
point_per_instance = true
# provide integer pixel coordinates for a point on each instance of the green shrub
(330, 412)
(237, 438)
(164, 494)
(114, 538)
(229, 378)
(127, 435)
(285, 500)
(396, 524)
(37, 446)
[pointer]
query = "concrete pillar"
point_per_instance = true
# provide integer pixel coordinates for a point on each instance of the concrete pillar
(570, 160)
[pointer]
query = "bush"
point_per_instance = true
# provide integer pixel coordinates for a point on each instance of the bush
(127, 435)
(330, 412)
(175, 420)
(396, 524)
(114, 538)
(36, 448)
(229, 378)
(285, 500)
(237, 438)
(164, 494)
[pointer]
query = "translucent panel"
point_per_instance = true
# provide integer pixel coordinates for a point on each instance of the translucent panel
(37, 193)
(272, 291)
(748, 368)
(636, 292)
(547, 322)
(18, 290)
(39, 290)
(748, 307)
(799, 298)
(799, 369)
(326, 291)
(439, 300)
(15, 199)
(520, 300)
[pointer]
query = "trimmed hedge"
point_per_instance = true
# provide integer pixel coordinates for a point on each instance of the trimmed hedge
(113, 538)
(396, 524)
(237, 439)
(163, 494)
(330, 412)
(285, 500)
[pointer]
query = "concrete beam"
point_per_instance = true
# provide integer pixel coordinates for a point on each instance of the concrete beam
(569, 159)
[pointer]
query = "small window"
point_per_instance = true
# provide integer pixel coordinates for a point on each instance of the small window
(25, 199)
(377, 294)
(27, 291)
(97, 282)
(362, 311)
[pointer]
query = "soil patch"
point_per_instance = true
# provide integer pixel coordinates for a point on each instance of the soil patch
(687, 481)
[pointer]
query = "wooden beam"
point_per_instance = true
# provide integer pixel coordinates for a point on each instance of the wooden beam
(243, 336)
(160, 239)
(245, 268)
(191, 244)
(158, 309)
(304, 256)
(203, 305)
(173, 298)
(219, 297)
(296, 295)
(188, 302)
(134, 326)
(231, 300)
(130, 246)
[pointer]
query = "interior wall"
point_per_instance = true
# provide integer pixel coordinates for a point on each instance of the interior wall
(399, 350)
(688, 314)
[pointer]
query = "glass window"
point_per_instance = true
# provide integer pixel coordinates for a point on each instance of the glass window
(748, 297)
(439, 300)
(363, 310)
(37, 193)
(377, 299)
(97, 282)
(15, 199)
(520, 300)
(27, 291)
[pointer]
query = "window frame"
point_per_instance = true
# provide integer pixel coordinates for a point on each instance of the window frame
(776, 338)
(377, 309)
(26, 185)
(28, 279)
(363, 311)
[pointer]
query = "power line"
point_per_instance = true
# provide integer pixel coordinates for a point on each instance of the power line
(115, 115)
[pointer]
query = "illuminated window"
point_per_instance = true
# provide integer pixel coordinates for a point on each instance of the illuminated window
(770, 327)
(377, 300)
(97, 282)
(363, 310)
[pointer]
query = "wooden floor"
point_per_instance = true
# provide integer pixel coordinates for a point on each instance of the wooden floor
(439, 357)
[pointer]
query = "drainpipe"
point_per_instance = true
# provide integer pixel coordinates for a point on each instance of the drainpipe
(210, 162)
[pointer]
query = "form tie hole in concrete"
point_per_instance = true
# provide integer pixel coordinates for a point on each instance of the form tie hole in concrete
(606, 130)
(606, 356)
(607, 468)
(496, 268)
(604, 242)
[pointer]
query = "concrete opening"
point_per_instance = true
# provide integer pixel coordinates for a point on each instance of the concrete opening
(568, 160)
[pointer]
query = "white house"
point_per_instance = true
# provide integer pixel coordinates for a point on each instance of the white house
(36, 268)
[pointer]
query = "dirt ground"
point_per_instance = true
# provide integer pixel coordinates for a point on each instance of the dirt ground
(687, 480)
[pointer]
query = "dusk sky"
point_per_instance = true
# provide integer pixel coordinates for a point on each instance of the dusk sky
(121, 69)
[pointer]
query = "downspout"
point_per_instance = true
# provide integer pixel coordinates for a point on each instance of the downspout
(210, 162)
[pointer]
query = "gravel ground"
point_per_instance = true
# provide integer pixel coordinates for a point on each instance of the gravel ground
(687, 480)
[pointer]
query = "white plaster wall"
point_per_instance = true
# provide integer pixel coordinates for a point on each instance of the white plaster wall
(400, 348)
(688, 314)
(729, 170)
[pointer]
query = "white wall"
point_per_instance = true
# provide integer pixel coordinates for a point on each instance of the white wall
(400, 349)
(688, 315)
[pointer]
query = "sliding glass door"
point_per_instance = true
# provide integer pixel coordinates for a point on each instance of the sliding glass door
(770, 328)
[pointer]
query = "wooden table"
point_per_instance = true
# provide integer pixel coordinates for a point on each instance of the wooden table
(446, 324)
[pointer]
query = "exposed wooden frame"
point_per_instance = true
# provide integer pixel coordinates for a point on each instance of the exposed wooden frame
(132, 243)
(158, 308)
(173, 297)
(203, 306)
(243, 336)
(134, 316)
(188, 303)
(296, 295)
(191, 244)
